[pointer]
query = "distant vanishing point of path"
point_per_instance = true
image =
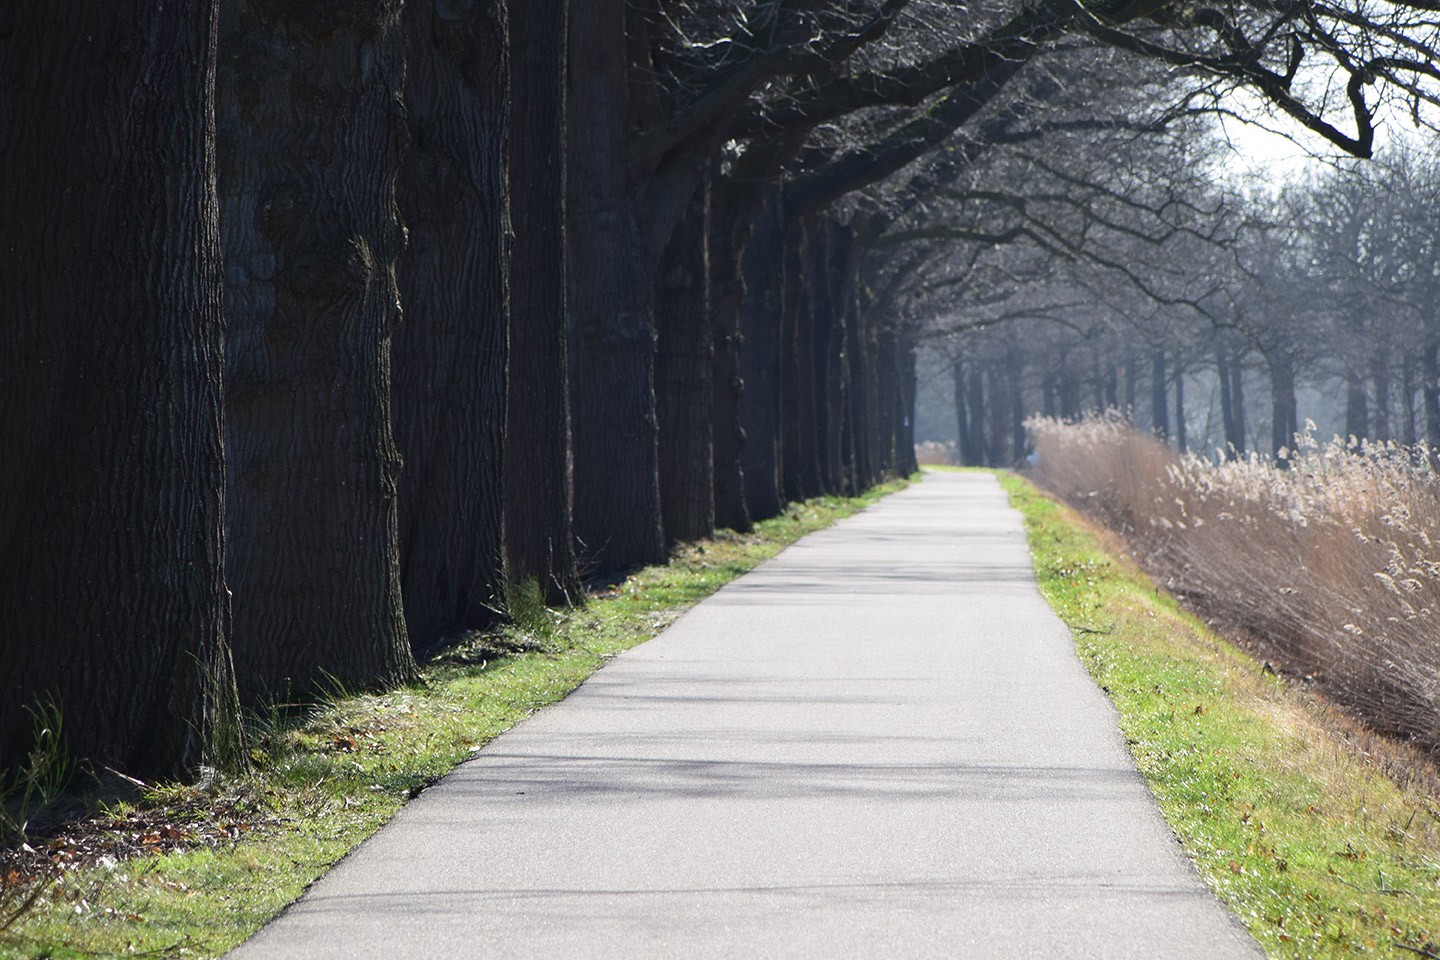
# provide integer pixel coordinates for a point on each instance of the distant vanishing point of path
(879, 744)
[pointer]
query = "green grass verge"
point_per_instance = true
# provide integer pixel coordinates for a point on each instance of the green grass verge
(326, 781)
(1313, 846)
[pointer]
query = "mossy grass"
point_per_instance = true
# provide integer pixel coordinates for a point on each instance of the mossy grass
(1311, 843)
(327, 776)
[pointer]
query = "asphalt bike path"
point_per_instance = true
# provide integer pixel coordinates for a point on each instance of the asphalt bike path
(878, 744)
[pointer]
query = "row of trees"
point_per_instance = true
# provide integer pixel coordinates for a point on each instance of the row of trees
(1326, 285)
(324, 323)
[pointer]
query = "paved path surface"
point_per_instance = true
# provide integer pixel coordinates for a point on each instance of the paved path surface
(879, 744)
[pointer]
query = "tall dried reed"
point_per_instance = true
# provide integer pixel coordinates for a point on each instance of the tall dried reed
(1330, 569)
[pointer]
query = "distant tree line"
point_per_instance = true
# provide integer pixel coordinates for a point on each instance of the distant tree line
(1326, 282)
(322, 326)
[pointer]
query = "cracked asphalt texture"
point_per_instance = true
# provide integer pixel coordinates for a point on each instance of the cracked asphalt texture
(878, 744)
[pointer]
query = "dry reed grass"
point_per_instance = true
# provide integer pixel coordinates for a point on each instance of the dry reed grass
(1329, 569)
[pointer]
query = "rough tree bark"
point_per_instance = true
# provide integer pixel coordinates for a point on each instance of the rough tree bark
(800, 459)
(617, 485)
(450, 351)
(1357, 405)
(857, 421)
(727, 293)
(1159, 401)
(311, 301)
(683, 366)
(1181, 439)
(539, 537)
(112, 598)
(1430, 392)
(761, 319)
(905, 461)
(1227, 402)
(1283, 422)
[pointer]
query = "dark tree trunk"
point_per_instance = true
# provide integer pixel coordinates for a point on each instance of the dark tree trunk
(1132, 383)
(1238, 439)
(1430, 393)
(964, 447)
(1380, 380)
(762, 315)
(1112, 386)
(1015, 370)
(1069, 395)
(1227, 409)
(1181, 441)
(1232, 400)
(1283, 426)
(867, 375)
(1047, 389)
(732, 221)
(539, 538)
(997, 451)
(887, 397)
(1409, 426)
(311, 302)
(833, 269)
(449, 352)
(1159, 403)
(112, 597)
(978, 408)
(906, 463)
(683, 362)
(800, 459)
(1357, 406)
(857, 399)
(617, 484)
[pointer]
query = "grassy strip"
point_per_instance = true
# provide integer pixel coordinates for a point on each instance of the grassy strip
(1314, 848)
(326, 781)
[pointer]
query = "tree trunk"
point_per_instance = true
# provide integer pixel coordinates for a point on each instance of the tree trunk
(832, 278)
(1015, 368)
(1409, 426)
(1380, 380)
(800, 466)
(1283, 425)
(978, 409)
(762, 318)
(1132, 383)
(449, 353)
(1430, 393)
(1159, 404)
(538, 501)
(1357, 406)
(683, 362)
(906, 463)
(1237, 404)
(1181, 441)
(113, 605)
(617, 483)
(857, 398)
(731, 226)
(311, 301)
(999, 427)
(964, 449)
(887, 397)
(1227, 410)
(1112, 386)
